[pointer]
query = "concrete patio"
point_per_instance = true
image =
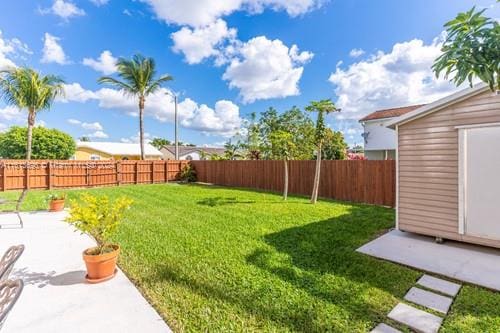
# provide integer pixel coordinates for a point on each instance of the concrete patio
(460, 261)
(56, 297)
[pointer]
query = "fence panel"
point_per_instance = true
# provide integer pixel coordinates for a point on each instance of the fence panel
(42, 174)
(372, 182)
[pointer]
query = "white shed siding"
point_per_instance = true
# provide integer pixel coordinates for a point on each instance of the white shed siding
(428, 167)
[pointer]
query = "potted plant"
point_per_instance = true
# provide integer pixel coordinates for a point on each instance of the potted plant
(56, 202)
(99, 217)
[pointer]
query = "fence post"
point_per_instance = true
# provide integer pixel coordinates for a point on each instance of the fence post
(4, 176)
(152, 172)
(166, 171)
(49, 174)
(118, 173)
(136, 166)
(87, 175)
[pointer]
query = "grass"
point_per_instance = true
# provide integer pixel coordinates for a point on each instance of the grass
(225, 260)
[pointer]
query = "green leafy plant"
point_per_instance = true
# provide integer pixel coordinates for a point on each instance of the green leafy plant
(98, 217)
(471, 49)
(56, 196)
(188, 174)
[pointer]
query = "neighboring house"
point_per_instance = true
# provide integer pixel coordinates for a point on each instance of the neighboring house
(191, 153)
(380, 141)
(114, 151)
(448, 182)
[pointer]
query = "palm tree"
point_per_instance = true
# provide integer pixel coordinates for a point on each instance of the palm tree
(26, 88)
(323, 107)
(138, 79)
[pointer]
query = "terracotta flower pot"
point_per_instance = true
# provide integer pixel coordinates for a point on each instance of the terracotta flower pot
(56, 205)
(101, 267)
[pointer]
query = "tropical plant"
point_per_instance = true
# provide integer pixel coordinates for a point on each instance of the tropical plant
(137, 78)
(159, 143)
(47, 144)
(56, 196)
(188, 174)
(98, 217)
(232, 151)
(334, 146)
(27, 89)
(471, 49)
(323, 108)
(252, 143)
(84, 139)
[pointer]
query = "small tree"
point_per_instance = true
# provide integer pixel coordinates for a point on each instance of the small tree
(99, 218)
(323, 108)
(471, 49)
(47, 144)
(231, 151)
(159, 143)
(334, 146)
(283, 148)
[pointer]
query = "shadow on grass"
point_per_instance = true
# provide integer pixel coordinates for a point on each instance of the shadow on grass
(309, 278)
(221, 201)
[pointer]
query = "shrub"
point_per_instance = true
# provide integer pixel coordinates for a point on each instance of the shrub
(188, 174)
(99, 218)
(56, 196)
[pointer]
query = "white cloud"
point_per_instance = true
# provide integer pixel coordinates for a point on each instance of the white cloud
(73, 92)
(199, 13)
(400, 77)
(99, 2)
(355, 53)
(53, 51)
(105, 64)
(11, 49)
(266, 69)
(199, 43)
(95, 126)
(223, 119)
(63, 9)
(98, 135)
(135, 138)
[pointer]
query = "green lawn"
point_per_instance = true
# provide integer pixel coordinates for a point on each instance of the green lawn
(225, 260)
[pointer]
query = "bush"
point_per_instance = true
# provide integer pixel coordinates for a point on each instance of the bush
(47, 144)
(188, 174)
(98, 217)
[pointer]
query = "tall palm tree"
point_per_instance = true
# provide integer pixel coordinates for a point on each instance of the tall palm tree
(323, 107)
(26, 88)
(138, 79)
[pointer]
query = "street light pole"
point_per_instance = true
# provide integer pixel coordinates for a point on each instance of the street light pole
(176, 130)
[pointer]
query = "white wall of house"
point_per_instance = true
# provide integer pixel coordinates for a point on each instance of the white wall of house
(379, 136)
(193, 156)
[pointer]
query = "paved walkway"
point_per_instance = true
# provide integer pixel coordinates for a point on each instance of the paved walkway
(56, 297)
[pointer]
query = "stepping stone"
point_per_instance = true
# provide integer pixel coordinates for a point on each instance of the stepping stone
(383, 328)
(443, 286)
(429, 300)
(418, 320)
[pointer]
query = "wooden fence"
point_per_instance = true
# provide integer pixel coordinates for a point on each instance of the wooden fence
(41, 174)
(372, 182)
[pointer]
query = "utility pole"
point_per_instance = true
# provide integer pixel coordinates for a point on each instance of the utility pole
(176, 130)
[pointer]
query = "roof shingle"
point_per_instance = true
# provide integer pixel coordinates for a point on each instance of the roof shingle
(391, 113)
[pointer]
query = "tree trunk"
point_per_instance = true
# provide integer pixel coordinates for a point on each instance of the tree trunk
(31, 123)
(285, 184)
(314, 195)
(141, 125)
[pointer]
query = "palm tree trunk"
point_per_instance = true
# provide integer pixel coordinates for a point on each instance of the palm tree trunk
(31, 123)
(141, 125)
(314, 196)
(285, 185)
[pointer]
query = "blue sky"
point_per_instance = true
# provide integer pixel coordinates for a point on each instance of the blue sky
(228, 58)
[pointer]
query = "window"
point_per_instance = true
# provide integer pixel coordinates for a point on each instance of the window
(189, 158)
(95, 157)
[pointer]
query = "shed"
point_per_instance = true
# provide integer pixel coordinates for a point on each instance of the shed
(448, 168)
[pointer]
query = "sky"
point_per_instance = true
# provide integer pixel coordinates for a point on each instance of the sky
(228, 58)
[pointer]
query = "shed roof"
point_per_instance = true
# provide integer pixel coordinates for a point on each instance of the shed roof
(391, 113)
(439, 104)
(119, 148)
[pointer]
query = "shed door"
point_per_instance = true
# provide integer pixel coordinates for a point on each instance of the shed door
(482, 182)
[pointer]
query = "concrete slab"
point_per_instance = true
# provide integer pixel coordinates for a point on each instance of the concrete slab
(383, 328)
(429, 300)
(56, 297)
(418, 320)
(443, 286)
(470, 263)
